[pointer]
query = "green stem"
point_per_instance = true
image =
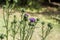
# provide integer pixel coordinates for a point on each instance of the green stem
(21, 27)
(24, 30)
(42, 33)
(14, 37)
(7, 18)
(14, 33)
(20, 32)
(28, 34)
(47, 33)
(21, 38)
(4, 16)
(32, 30)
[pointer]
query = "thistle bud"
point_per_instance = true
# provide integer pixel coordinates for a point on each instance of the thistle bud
(26, 17)
(21, 22)
(49, 25)
(14, 19)
(37, 19)
(42, 23)
(23, 10)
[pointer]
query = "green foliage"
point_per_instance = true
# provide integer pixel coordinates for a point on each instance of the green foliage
(23, 2)
(15, 1)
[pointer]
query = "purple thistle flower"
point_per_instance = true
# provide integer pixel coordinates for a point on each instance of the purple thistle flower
(26, 17)
(32, 19)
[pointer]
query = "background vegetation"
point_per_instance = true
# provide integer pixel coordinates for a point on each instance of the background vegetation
(41, 9)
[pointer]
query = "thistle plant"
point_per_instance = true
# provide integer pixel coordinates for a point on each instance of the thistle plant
(6, 17)
(14, 27)
(46, 31)
(27, 26)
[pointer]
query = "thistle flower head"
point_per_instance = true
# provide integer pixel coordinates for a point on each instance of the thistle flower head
(42, 23)
(22, 10)
(26, 17)
(37, 19)
(32, 19)
(49, 25)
